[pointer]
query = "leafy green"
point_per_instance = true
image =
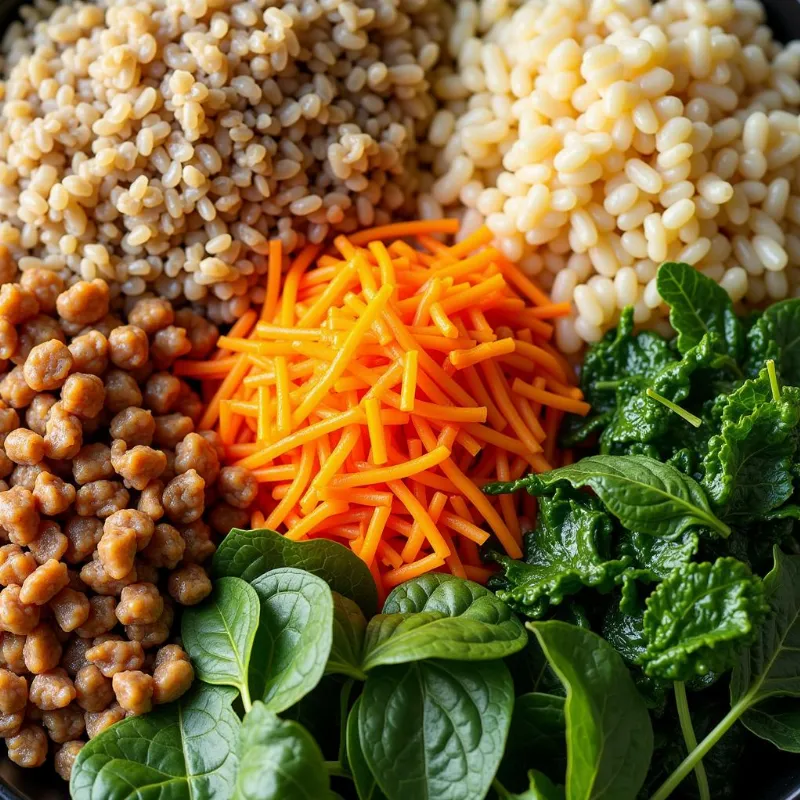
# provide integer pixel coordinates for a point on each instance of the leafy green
(435, 730)
(569, 549)
(748, 468)
(771, 666)
(609, 735)
(540, 787)
(437, 616)
(294, 636)
(366, 785)
(279, 760)
(783, 332)
(644, 494)
(610, 363)
(654, 558)
(699, 617)
(536, 739)
(186, 749)
(777, 721)
(248, 554)
(349, 627)
(699, 305)
(218, 635)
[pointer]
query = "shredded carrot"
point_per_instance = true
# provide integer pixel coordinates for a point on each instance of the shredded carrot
(381, 385)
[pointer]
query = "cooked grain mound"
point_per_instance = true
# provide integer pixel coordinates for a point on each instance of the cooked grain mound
(599, 138)
(159, 144)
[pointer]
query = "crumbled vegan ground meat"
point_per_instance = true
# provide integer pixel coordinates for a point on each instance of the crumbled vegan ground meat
(110, 504)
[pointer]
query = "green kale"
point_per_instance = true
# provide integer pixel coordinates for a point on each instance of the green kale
(698, 306)
(611, 363)
(699, 618)
(569, 549)
(654, 558)
(748, 467)
(644, 494)
(776, 335)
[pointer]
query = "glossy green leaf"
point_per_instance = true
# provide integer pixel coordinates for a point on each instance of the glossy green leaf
(748, 468)
(440, 616)
(655, 558)
(700, 617)
(699, 305)
(294, 636)
(347, 649)
(609, 735)
(620, 355)
(279, 760)
(182, 751)
(644, 494)
(569, 550)
(435, 730)
(366, 785)
(777, 721)
(771, 666)
(784, 319)
(248, 554)
(218, 635)
(536, 739)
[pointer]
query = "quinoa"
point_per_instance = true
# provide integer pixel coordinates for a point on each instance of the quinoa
(159, 145)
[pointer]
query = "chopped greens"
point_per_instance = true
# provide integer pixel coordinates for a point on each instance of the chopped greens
(661, 543)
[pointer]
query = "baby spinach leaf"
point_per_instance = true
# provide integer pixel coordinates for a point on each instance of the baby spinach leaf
(279, 760)
(435, 730)
(349, 627)
(186, 749)
(777, 721)
(218, 635)
(748, 468)
(644, 494)
(439, 616)
(536, 739)
(366, 785)
(784, 319)
(655, 558)
(248, 554)
(569, 550)
(698, 306)
(699, 617)
(609, 735)
(771, 667)
(294, 636)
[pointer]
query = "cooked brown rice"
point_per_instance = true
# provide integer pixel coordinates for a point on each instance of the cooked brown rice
(158, 144)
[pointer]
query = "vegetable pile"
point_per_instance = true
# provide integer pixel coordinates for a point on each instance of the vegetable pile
(425, 699)
(694, 496)
(383, 386)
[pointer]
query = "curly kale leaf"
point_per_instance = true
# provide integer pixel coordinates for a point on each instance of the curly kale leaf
(748, 467)
(568, 550)
(654, 558)
(611, 363)
(639, 418)
(699, 618)
(699, 306)
(776, 335)
(623, 624)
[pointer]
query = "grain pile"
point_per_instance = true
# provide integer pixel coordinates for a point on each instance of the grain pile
(599, 138)
(158, 145)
